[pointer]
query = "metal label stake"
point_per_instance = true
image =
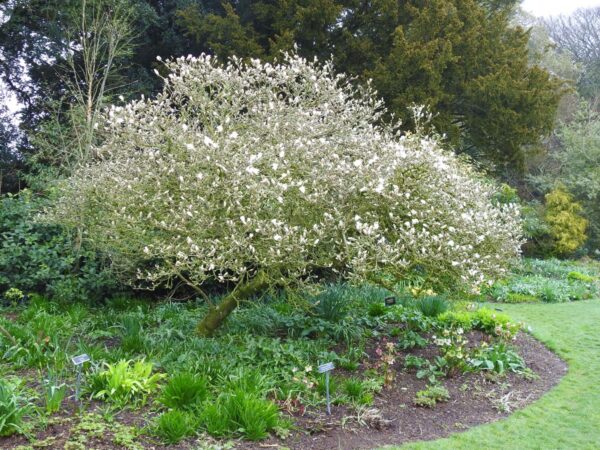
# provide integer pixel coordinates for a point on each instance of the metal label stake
(78, 362)
(326, 368)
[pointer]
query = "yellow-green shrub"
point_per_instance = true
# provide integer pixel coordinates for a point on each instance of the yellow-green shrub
(567, 226)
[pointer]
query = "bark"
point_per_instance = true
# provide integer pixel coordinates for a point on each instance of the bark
(217, 314)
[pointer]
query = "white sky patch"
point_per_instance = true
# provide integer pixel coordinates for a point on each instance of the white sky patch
(545, 8)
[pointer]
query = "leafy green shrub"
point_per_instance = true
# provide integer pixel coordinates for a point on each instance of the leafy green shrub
(578, 276)
(432, 305)
(185, 391)
(173, 426)
(42, 258)
(14, 296)
(431, 396)
(498, 358)
(494, 323)
(124, 382)
(414, 362)
(242, 413)
(13, 408)
(456, 319)
(567, 225)
(377, 309)
(411, 339)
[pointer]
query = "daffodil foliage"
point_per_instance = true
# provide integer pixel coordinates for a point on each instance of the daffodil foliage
(282, 169)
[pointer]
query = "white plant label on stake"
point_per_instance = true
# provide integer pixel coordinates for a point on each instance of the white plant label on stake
(78, 362)
(326, 368)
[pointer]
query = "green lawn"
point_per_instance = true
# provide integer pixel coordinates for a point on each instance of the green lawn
(568, 417)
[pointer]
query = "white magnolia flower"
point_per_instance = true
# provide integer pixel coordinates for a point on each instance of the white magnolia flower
(378, 203)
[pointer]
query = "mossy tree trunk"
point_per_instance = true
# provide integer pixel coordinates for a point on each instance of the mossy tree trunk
(217, 314)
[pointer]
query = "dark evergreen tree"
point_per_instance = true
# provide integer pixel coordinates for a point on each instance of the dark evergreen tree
(461, 58)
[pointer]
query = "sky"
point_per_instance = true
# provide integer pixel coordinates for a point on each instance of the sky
(544, 8)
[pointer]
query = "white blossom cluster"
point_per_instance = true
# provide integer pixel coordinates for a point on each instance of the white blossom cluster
(283, 168)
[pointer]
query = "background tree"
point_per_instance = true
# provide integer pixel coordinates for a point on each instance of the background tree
(575, 164)
(461, 58)
(567, 226)
(97, 45)
(38, 51)
(579, 35)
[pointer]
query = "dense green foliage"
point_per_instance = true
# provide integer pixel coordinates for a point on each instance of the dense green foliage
(575, 164)
(43, 258)
(548, 281)
(12, 408)
(567, 226)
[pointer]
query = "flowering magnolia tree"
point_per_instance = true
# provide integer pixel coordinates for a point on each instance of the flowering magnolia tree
(263, 175)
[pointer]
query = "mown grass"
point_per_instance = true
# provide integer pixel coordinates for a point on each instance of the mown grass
(567, 417)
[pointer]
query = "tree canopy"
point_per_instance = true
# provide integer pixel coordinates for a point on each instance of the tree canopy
(461, 58)
(579, 36)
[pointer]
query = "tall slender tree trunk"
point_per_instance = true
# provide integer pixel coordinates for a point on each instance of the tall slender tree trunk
(217, 314)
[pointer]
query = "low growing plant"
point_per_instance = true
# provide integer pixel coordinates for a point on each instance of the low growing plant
(432, 305)
(578, 276)
(185, 391)
(431, 396)
(495, 324)
(376, 310)
(13, 408)
(54, 394)
(14, 296)
(411, 339)
(452, 344)
(174, 425)
(387, 358)
(357, 391)
(125, 382)
(498, 358)
(240, 413)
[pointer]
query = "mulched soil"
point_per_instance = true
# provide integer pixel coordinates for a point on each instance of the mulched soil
(392, 419)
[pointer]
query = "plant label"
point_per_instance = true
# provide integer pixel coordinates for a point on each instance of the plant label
(79, 360)
(326, 367)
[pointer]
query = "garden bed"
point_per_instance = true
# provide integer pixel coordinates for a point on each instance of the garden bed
(474, 399)
(392, 418)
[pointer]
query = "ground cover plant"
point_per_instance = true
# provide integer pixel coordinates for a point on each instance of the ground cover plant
(550, 281)
(257, 378)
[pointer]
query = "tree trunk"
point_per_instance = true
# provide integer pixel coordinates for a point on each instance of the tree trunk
(217, 314)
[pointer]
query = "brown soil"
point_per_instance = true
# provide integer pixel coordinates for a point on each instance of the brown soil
(392, 419)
